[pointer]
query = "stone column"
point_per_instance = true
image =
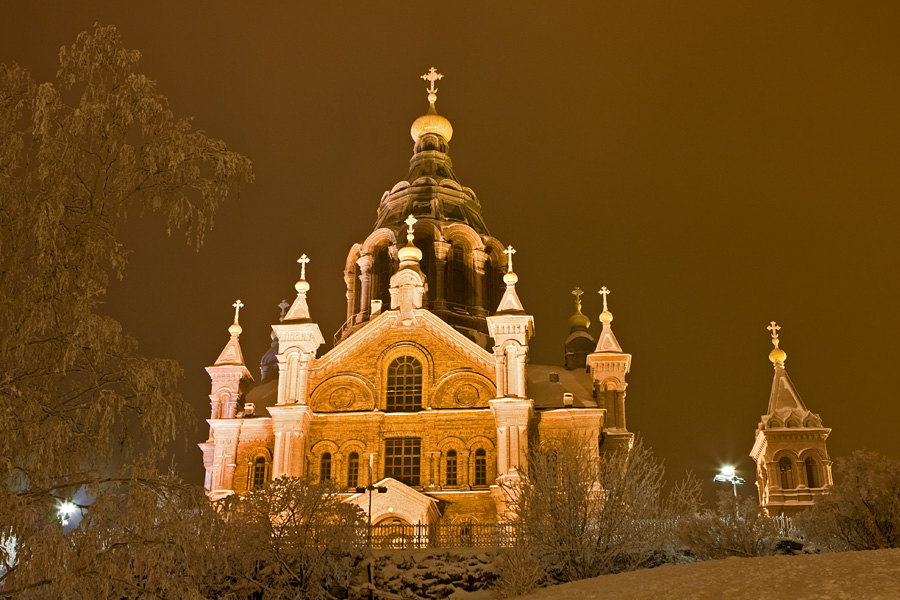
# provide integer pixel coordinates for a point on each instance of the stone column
(465, 478)
(365, 292)
(479, 257)
(440, 266)
(350, 281)
(278, 455)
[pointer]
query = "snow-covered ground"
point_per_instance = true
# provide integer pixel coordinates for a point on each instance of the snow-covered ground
(858, 575)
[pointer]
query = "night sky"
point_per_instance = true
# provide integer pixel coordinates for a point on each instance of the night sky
(717, 165)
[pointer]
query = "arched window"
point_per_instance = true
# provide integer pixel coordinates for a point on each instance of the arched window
(258, 473)
(457, 283)
(787, 473)
(493, 286)
(404, 385)
(325, 467)
(381, 277)
(480, 467)
(812, 479)
(353, 470)
(451, 468)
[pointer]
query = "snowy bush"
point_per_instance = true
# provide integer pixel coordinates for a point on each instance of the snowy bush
(862, 510)
(735, 527)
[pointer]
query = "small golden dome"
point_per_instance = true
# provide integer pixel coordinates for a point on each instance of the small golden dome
(301, 286)
(579, 320)
(235, 329)
(777, 356)
(409, 252)
(606, 317)
(431, 123)
(510, 278)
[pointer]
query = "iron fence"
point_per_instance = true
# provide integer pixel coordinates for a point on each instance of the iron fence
(463, 535)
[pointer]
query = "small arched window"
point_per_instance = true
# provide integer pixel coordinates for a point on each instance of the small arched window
(457, 280)
(787, 473)
(812, 479)
(353, 470)
(480, 467)
(325, 467)
(451, 468)
(404, 385)
(258, 473)
(382, 269)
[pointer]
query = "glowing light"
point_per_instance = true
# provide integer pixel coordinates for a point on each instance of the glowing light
(727, 475)
(67, 510)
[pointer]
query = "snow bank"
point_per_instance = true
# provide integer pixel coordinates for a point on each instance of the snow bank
(871, 575)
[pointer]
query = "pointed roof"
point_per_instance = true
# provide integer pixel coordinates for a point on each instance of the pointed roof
(784, 396)
(231, 355)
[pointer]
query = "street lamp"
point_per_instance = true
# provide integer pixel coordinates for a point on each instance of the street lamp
(381, 489)
(727, 475)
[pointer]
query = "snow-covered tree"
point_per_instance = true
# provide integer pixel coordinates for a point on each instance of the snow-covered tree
(582, 516)
(862, 508)
(84, 414)
(290, 539)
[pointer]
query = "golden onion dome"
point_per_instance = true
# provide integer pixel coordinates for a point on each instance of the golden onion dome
(235, 329)
(301, 286)
(606, 317)
(431, 122)
(777, 356)
(579, 319)
(409, 252)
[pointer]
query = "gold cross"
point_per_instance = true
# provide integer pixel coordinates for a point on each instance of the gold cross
(237, 309)
(604, 292)
(410, 221)
(774, 329)
(577, 293)
(303, 260)
(509, 252)
(431, 76)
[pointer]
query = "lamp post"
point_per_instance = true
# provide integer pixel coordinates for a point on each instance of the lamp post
(727, 475)
(381, 489)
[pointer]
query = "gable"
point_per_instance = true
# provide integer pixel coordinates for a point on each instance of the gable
(457, 373)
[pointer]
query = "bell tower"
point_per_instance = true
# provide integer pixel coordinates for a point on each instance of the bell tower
(792, 463)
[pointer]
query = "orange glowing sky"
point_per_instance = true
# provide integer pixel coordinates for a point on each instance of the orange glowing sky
(716, 165)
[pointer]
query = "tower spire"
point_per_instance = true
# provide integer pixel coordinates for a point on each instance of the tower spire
(231, 354)
(608, 341)
(299, 310)
(510, 302)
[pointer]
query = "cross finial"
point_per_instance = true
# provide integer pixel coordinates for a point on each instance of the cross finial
(303, 260)
(431, 76)
(604, 291)
(774, 329)
(509, 252)
(283, 306)
(577, 293)
(237, 309)
(410, 221)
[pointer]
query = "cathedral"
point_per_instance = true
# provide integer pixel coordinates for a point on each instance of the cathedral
(427, 390)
